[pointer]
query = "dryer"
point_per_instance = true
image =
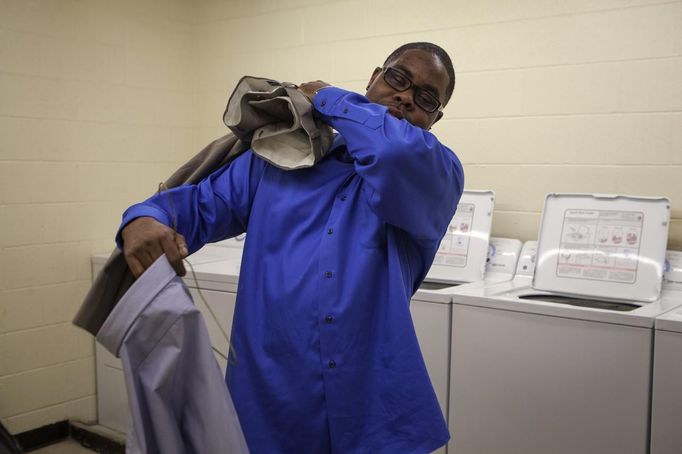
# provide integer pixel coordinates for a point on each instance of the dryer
(555, 363)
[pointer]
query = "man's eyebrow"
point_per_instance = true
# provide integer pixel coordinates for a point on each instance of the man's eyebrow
(427, 86)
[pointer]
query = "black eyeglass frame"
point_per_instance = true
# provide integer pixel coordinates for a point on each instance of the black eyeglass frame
(417, 89)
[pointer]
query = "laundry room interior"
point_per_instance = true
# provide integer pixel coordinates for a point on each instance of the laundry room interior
(551, 318)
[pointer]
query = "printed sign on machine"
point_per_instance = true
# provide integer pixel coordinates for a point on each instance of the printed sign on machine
(600, 245)
(454, 248)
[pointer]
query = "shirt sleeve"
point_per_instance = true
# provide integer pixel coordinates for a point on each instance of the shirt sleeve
(216, 208)
(413, 181)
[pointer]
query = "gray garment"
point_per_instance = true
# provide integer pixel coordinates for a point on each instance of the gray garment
(281, 120)
(265, 113)
(179, 402)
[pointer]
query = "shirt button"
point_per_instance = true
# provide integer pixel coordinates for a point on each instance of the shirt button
(332, 364)
(328, 274)
(323, 102)
(345, 111)
(343, 198)
(329, 319)
(330, 231)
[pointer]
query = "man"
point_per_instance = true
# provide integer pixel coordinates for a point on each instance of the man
(328, 356)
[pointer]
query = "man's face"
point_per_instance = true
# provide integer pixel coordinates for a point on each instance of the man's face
(426, 71)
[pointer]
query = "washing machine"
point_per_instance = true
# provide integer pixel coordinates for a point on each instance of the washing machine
(501, 263)
(666, 407)
(461, 259)
(432, 308)
(215, 300)
(214, 291)
(561, 362)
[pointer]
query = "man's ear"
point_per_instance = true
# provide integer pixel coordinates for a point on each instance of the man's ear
(438, 117)
(376, 72)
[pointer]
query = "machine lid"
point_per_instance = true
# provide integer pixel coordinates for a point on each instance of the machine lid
(503, 254)
(526, 263)
(461, 256)
(603, 246)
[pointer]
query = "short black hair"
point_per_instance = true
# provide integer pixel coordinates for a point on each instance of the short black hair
(439, 52)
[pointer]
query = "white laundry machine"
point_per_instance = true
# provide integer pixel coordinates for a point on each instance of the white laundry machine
(562, 364)
(461, 259)
(214, 292)
(112, 400)
(501, 262)
(431, 310)
(666, 406)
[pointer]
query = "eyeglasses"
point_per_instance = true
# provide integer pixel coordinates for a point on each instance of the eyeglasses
(400, 82)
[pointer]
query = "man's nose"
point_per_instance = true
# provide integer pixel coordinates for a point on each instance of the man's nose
(405, 97)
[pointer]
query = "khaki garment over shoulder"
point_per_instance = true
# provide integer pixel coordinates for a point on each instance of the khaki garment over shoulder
(273, 118)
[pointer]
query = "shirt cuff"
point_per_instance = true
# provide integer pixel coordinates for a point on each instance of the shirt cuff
(138, 211)
(334, 103)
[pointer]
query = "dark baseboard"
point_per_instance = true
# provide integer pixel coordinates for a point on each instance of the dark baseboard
(95, 441)
(54, 433)
(43, 436)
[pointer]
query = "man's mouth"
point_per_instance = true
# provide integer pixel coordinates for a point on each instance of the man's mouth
(395, 112)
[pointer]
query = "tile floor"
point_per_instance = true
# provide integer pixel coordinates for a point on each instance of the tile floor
(64, 447)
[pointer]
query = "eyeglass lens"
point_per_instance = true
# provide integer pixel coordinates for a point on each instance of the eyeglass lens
(399, 81)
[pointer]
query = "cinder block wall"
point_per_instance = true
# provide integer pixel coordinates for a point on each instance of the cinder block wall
(100, 100)
(96, 106)
(550, 97)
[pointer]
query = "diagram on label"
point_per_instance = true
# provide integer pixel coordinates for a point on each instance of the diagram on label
(454, 247)
(601, 245)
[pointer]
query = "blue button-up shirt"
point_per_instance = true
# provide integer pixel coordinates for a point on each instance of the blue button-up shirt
(328, 358)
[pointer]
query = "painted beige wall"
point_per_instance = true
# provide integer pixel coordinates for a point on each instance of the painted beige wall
(580, 96)
(99, 100)
(96, 106)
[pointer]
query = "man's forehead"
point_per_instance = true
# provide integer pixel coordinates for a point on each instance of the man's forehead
(425, 66)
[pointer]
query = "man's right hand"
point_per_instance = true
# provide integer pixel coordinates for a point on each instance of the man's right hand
(145, 239)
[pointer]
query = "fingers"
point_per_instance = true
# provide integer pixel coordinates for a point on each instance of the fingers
(154, 249)
(135, 266)
(140, 258)
(145, 240)
(173, 252)
(182, 245)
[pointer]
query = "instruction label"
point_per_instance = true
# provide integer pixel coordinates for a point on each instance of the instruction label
(600, 245)
(454, 248)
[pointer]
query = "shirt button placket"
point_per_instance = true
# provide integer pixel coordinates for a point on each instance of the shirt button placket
(329, 274)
